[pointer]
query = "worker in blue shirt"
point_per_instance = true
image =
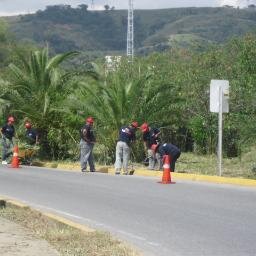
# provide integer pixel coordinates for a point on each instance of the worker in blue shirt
(126, 137)
(151, 136)
(8, 133)
(32, 141)
(87, 144)
(31, 134)
(171, 150)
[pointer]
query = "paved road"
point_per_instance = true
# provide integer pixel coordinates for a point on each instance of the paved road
(186, 218)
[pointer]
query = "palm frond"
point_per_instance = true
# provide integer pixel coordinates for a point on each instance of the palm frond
(58, 59)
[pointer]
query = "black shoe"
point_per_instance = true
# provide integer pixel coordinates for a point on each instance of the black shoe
(92, 171)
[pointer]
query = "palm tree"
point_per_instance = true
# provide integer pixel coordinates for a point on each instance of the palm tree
(114, 102)
(123, 96)
(38, 88)
(38, 85)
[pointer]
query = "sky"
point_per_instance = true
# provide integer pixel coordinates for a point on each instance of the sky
(14, 7)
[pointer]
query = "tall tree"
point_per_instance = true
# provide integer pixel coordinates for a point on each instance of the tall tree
(38, 88)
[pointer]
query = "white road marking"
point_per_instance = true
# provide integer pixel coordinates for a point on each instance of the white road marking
(63, 213)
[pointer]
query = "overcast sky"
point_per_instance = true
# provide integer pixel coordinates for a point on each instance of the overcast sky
(12, 7)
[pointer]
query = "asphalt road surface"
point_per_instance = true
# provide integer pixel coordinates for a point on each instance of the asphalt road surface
(186, 218)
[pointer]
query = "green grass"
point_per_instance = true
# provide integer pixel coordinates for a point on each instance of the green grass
(244, 167)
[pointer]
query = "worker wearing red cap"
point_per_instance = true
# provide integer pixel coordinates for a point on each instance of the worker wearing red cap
(86, 145)
(126, 137)
(8, 133)
(31, 134)
(151, 137)
(32, 140)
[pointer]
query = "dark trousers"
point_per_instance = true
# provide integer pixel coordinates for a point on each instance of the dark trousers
(173, 161)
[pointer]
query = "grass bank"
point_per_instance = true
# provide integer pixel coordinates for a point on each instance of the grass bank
(191, 163)
(64, 238)
(239, 167)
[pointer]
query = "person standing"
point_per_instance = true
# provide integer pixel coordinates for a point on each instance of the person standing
(150, 137)
(126, 137)
(171, 150)
(32, 141)
(31, 134)
(8, 133)
(86, 145)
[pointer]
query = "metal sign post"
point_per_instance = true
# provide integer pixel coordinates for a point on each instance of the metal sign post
(219, 96)
(220, 132)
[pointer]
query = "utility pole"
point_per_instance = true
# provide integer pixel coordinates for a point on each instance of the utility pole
(130, 31)
(92, 5)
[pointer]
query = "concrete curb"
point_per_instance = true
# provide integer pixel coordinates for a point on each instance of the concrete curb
(49, 215)
(197, 177)
(178, 176)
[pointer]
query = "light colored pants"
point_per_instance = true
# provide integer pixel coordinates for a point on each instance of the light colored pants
(159, 162)
(154, 160)
(151, 159)
(122, 157)
(86, 155)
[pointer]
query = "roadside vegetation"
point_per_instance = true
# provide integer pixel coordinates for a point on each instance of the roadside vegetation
(65, 239)
(189, 162)
(236, 167)
(169, 90)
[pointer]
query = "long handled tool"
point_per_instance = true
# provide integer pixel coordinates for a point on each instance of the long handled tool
(131, 172)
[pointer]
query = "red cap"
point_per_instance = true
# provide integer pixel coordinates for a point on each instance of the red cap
(28, 125)
(89, 120)
(144, 127)
(11, 119)
(135, 124)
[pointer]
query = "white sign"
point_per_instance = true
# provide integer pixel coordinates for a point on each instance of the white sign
(219, 95)
(219, 90)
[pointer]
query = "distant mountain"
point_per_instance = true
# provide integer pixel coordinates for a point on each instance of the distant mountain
(65, 28)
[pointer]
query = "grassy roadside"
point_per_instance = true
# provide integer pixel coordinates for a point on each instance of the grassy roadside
(65, 239)
(191, 163)
(244, 167)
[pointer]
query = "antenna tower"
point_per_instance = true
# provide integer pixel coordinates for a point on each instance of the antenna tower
(92, 5)
(130, 31)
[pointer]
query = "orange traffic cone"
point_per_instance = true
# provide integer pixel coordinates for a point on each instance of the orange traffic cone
(166, 179)
(15, 158)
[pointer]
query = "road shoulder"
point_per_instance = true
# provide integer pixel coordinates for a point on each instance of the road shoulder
(16, 240)
(175, 176)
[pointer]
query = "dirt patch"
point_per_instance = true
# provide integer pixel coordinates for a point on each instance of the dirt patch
(16, 240)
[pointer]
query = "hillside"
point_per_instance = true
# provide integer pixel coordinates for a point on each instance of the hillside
(66, 28)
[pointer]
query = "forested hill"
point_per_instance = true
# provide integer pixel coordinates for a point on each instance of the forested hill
(66, 28)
